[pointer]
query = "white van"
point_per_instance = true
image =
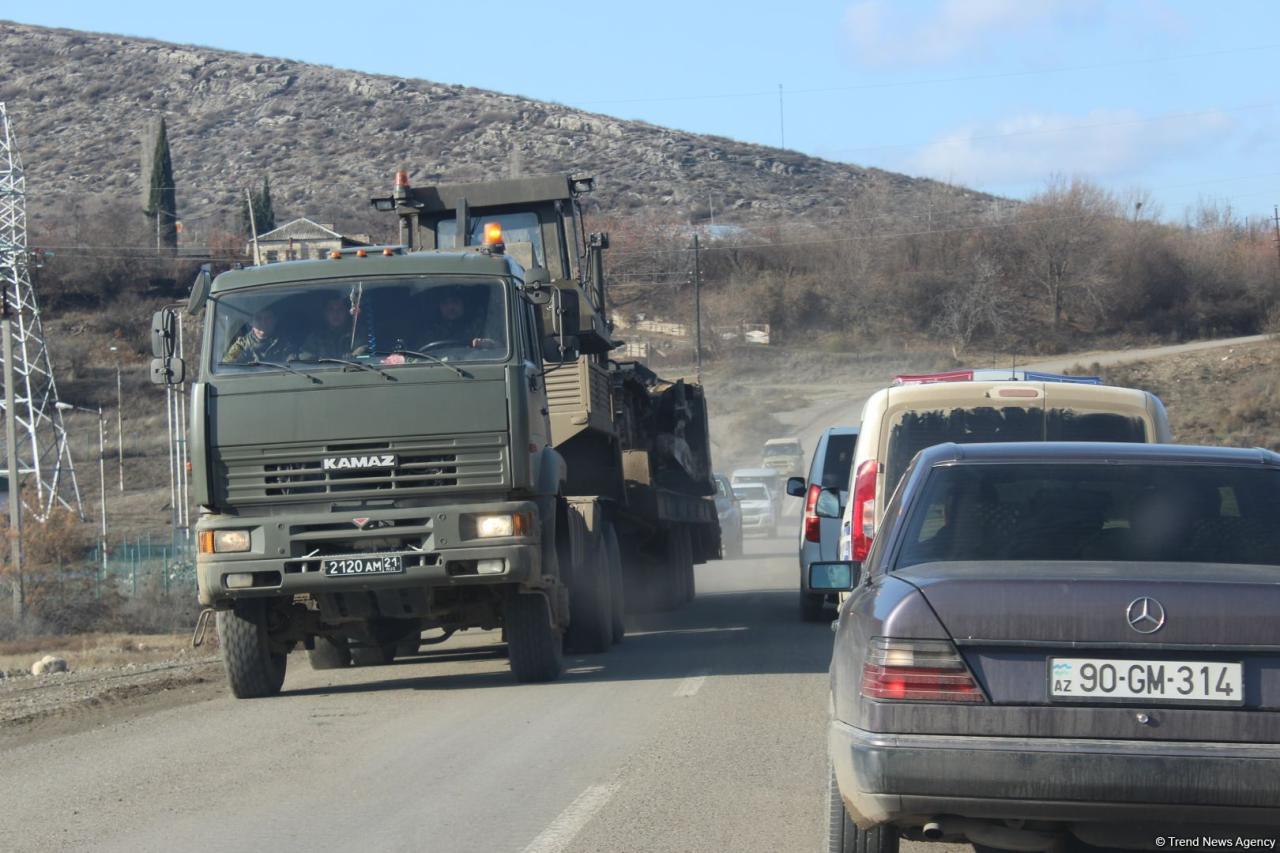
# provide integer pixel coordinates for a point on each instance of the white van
(974, 406)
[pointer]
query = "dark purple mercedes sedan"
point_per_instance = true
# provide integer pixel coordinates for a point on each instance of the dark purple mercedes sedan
(1052, 645)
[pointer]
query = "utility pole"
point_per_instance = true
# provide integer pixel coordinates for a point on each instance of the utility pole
(782, 125)
(697, 306)
(11, 460)
(1276, 239)
(119, 420)
(253, 227)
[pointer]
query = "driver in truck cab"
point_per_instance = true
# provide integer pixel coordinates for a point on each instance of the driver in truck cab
(453, 322)
(258, 343)
(334, 335)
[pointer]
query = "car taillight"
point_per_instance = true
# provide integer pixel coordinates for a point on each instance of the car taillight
(864, 508)
(917, 671)
(812, 524)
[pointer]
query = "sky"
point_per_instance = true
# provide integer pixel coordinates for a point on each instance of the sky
(1173, 99)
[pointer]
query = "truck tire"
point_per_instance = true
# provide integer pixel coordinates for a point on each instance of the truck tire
(843, 835)
(534, 645)
(616, 586)
(254, 668)
(813, 607)
(674, 584)
(330, 653)
(590, 600)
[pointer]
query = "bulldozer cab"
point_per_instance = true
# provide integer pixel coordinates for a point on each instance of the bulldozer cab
(537, 221)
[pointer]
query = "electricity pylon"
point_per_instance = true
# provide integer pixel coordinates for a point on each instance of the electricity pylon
(42, 453)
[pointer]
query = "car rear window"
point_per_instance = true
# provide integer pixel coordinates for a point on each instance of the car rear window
(916, 430)
(838, 461)
(1093, 511)
(751, 493)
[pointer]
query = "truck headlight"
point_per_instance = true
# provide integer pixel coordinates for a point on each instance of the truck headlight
(230, 541)
(497, 525)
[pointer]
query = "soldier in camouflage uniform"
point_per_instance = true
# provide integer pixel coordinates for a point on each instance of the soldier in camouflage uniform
(259, 343)
(332, 338)
(453, 323)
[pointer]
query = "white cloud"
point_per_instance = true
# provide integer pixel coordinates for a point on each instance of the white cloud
(1102, 143)
(884, 32)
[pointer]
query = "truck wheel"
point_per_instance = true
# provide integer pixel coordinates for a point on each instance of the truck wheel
(330, 653)
(254, 668)
(616, 588)
(843, 836)
(590, 601)
(534, 645)
(813, 607)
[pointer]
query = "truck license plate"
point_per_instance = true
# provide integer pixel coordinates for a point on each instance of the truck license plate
(1167, 681)
(388, 564)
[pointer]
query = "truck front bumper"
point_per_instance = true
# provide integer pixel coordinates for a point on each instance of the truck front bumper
(436, 547)
(887, 778)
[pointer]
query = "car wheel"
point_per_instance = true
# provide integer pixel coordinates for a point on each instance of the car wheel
(843, 836)
(813, 607)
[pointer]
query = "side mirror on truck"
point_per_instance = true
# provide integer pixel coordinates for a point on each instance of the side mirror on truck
(166, 367)
(537, 286)
(200, 290)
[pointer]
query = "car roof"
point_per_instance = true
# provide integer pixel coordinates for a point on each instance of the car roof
(755, 472)
(1091, 451)
(841, 430)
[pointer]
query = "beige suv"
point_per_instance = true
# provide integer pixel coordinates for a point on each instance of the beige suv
(976, 406)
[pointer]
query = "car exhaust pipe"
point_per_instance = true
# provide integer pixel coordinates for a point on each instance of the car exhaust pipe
(994, 835)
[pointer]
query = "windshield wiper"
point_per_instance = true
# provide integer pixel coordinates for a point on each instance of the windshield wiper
(360, 364)
(278, 366)
(428, 356)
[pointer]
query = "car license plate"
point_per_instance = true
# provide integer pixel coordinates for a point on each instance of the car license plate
(388, 564)
(1169, 681)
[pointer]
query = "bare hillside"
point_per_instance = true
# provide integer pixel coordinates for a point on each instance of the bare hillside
(328, 138)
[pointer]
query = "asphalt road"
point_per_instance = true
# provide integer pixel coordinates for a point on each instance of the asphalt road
(703, 731)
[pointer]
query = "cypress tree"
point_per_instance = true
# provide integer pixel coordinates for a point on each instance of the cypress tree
(162, 200)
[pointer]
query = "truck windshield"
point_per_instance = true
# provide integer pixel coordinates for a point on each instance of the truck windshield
(378, 322)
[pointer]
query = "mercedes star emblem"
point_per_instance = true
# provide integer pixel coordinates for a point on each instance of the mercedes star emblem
(1145, 615)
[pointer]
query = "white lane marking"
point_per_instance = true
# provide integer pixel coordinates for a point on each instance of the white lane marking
(558, 835)
(690, 686)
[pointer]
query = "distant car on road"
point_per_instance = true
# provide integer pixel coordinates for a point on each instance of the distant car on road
(1061, 642)
(820, 537)
(972, 406)
(784, 455)
(759, 510)
(729, 509)
(767, 477)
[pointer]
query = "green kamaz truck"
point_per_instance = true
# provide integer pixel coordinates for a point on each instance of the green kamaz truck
(392, 444)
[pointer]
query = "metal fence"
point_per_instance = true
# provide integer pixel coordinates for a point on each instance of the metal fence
(135, 565)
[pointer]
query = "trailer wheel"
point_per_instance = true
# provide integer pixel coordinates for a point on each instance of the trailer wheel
(330, 653)
(534, 645)
(254, 668)
(674, 585)
(616, 586)
(590, 600)
(690, 580)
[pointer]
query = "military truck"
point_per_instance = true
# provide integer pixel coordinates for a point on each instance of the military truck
(430, 437)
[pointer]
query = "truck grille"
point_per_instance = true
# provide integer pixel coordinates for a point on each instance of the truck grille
(296, 472)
